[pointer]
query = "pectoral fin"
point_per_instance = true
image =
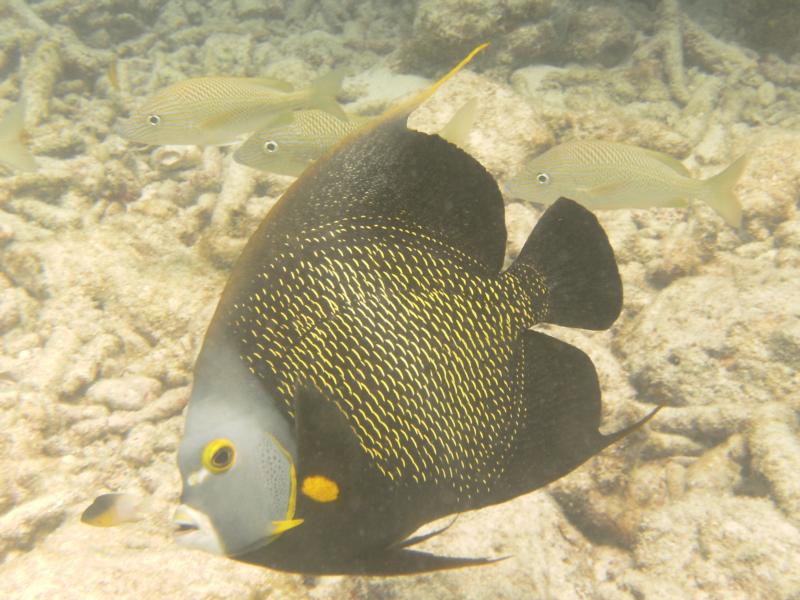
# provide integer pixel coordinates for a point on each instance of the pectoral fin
(331, 464)
(605, 189)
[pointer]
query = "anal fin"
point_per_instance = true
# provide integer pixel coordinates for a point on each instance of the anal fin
(561, 429)
(423, 537)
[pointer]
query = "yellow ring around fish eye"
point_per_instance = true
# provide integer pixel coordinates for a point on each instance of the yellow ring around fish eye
(154, 119)
(271, 146)
(219, 455)
(543, 178)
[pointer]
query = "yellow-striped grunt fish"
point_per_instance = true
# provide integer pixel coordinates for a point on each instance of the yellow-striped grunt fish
(612, 175)
(13, 150)
(216, 110)
(370, 368)
(294, 140)
(110, 510)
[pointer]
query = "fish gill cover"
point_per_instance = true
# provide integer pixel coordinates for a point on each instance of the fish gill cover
(113, 256)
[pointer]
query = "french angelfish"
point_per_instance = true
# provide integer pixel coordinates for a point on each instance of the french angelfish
(217, 110)
(292, 141)
(369, 366)
(13, 150)
(612, 175)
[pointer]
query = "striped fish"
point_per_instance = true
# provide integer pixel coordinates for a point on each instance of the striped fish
(602, 175)
(217, 110)
(292, 141)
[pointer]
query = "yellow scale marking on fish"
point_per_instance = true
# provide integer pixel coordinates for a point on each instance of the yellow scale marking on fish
(445, 398)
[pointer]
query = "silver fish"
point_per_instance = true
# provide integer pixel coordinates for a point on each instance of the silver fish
(292, 141)
(216, 110)
(612, 175)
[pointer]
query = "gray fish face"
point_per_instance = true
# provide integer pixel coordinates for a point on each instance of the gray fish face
(159, 125)
(283, 149)
(236, 464)
(537, 183)
(535, 187)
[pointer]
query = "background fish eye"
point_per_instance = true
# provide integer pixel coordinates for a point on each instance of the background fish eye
(154, 119)
(543, 178)
(271, 146)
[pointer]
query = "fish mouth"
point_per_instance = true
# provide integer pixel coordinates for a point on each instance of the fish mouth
(183, 528)
(193, 529)
(184, 521)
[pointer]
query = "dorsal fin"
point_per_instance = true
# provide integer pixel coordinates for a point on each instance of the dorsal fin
(406, 108)
(670, 161)
(274, 84)
(385, 171)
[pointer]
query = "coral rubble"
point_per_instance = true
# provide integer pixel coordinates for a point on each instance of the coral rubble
(112, 257)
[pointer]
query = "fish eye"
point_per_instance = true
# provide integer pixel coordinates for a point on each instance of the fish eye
(271, 146)
(219, 455)
(154, 119)
(543, 178)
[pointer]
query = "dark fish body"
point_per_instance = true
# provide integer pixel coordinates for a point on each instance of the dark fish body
(371, 307)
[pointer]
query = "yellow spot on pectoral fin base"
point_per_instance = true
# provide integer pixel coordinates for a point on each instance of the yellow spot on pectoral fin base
(320, 489)
(279, 527)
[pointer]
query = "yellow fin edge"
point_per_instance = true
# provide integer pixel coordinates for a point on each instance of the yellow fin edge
(279, 527)
(409, 105)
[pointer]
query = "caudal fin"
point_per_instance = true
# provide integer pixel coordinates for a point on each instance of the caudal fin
(718, 192)
(12, 140)
(573, 266)
(323, 93)
(457, 129)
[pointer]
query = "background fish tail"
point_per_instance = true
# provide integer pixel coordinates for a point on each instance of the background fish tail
(569, 250)
(458, 128)
(718, 192)
(323, 93)
(12, 135)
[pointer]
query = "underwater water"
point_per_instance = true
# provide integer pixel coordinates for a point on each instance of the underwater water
(114, 253)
